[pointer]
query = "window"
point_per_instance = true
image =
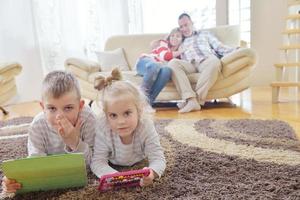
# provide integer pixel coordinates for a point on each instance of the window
(161, 15)
(239, 13)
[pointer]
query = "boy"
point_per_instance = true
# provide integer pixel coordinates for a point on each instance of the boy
(64, 126)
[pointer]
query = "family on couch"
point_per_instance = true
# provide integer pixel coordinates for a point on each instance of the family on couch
(187, 51)
(192, 81)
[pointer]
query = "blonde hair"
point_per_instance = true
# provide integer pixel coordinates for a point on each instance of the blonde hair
(58, 83)
(113, 87)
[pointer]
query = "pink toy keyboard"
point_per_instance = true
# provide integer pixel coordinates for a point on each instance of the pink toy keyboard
(122, 179)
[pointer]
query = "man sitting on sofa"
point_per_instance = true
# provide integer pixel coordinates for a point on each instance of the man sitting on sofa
(203, 53)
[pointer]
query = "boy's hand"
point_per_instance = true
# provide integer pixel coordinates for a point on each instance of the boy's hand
(148, 180)
(69, 132)
(10, 185)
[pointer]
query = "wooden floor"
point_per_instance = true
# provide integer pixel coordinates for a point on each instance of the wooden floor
(253, 103)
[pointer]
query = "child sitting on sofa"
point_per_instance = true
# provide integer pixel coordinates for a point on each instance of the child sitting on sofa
(64, 126)
(128, 134)
(153, 67)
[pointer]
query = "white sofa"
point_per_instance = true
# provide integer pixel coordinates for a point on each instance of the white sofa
(8, 87)
(234, 77)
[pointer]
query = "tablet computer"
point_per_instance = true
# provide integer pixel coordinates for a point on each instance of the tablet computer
(122, 179)
(47, 172)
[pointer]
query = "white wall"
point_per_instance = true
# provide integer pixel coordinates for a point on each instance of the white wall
(17, 43)
(267, 23)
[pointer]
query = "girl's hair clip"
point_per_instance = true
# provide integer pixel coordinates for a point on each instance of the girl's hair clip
(101, 82)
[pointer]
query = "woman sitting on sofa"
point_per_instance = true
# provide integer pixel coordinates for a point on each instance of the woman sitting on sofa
(153, 67)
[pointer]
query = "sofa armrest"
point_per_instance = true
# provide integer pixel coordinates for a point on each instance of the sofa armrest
(82, 68)
(237, 60)
(9, 70)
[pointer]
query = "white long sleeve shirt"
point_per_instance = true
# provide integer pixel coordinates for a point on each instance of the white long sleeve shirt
(44, 140)
(145, 144)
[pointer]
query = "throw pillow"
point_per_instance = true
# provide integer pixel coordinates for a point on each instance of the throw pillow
(112, 59)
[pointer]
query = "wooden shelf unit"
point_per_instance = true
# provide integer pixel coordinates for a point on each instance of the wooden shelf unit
(292, 46)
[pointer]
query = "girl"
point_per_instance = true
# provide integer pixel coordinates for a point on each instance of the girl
(153, 66)
(127, 133)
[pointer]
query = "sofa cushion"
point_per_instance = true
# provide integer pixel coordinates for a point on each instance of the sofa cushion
(112, 59)
(237, 60)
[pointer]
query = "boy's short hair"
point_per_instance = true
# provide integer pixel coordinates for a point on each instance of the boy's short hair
(58, 83)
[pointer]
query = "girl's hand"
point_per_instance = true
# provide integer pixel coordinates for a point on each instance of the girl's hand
(69, 133)
(10, 185)
(148, 180)
(185, 48)
(182, 49)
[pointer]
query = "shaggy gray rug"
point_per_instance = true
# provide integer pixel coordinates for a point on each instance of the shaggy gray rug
(206, 159)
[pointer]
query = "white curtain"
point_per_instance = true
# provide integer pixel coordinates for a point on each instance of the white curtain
(76, 28)
(135, 16)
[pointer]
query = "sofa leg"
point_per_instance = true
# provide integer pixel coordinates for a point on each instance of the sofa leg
(90, 103)
(231, 102)
(218, 103)
(3, 111)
